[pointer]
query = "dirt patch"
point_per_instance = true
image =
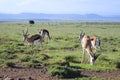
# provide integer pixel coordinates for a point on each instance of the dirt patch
(24, 74)
(40, 74)
(103, 74)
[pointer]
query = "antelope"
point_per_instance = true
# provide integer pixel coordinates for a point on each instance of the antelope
(44, 32)
(95, 41)
(33, 40)
(86, 47)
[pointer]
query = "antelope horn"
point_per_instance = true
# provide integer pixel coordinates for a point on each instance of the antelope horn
(81, 31)
(23, 32)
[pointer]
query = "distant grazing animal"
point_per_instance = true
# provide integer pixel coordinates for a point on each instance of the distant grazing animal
(86, 46)
(45, 32)
(33, 40)
(95, 41)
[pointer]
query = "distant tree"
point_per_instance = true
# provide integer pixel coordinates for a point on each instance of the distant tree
(31, 22)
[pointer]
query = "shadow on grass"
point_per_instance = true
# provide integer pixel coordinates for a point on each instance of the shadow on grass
(118, 65)
(65, 71)
(96, 56)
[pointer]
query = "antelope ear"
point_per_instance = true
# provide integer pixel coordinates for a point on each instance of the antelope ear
(26, 31)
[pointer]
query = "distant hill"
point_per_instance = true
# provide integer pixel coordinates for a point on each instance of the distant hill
(50, 17)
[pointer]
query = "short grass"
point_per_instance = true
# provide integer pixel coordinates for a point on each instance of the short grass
(63, 53)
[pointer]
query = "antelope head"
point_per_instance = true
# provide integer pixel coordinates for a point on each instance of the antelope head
(25, 35)
(40, 31)
(81, 36)
(43, 33)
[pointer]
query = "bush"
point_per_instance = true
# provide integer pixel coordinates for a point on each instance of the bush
(28, 64)
(118, 65)
(25, 58)
(70, 58)
(33, 64)
(9, 64)
(7, 56)
(44, 57)
(63, 72)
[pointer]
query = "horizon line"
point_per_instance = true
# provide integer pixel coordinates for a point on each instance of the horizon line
(61, 13)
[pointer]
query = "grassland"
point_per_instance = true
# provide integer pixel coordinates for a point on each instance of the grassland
(63, 53)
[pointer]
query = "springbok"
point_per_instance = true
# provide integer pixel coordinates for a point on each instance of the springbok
(86, 46)
(95, 41)
(44, 32)
(33, 40)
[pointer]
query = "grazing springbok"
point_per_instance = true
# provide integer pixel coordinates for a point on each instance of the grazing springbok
(44, 32)
(33, 40)
(95, 41)
(86, 46)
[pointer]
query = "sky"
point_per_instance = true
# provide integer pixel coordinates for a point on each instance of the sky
(101, 7)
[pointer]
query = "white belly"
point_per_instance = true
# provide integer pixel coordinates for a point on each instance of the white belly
(36, 41)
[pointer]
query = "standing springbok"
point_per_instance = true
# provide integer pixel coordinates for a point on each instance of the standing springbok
(44, 32)
(86, 46)
(33, 40)
(95, 41)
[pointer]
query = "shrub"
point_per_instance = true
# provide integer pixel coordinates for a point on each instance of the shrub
(7, 56)
(28, 64)
(33, 64)
(63, 72)
(9, 64)
(118, 65)
(25, 58)
(44, 57)
(70, 58)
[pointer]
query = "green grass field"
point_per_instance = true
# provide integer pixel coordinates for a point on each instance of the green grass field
(64, 50)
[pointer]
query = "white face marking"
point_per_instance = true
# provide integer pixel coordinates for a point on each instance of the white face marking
(92, 44)
(41, 32)
(24, 38)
